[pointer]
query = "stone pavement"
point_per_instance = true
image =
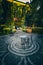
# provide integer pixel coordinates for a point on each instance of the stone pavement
(7, 58)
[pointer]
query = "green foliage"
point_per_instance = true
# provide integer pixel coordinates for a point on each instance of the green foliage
(37, 30)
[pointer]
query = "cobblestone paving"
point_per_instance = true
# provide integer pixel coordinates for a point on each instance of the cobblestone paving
(7, 58)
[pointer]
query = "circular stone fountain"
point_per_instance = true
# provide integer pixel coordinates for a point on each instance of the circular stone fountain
(23, 45)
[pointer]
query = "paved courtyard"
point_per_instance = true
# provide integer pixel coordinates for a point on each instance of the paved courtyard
(8, 58)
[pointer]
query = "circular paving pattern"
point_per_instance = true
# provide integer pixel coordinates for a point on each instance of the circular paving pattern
(25, 47)
(9, 59)
(15, 54)
(33, 49)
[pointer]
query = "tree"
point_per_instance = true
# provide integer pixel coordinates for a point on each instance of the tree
(37, 11)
